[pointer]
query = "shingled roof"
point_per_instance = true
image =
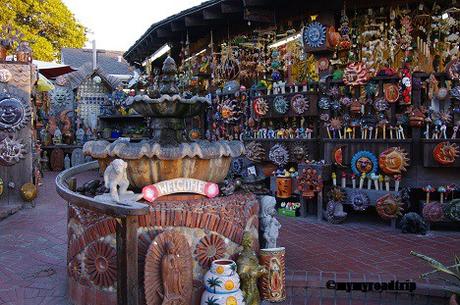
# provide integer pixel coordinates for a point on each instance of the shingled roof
(76, 78)
(111, 62)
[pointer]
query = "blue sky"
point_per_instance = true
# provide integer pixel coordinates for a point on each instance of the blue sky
(117, 24)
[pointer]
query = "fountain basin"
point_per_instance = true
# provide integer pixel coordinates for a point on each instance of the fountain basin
(150, 162)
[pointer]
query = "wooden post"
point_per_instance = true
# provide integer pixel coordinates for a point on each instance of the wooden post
(127, 273)
(319, 205)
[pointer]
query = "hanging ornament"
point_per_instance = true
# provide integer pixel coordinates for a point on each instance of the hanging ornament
(381, 104)
(445, 153)
(314, 35)
(255, 151)
(260, 106)
(309, 182)
(391, 92)
(229, 110)
(28, 192)
(300, 104)
(389, 207)
(324, 103)
(364, 162)
(453, 69)
(11, 151)
(279, 155)
(406, 86)
(323, 64)
(5, 75)
(393, 161)
(356, 74)
(359, 201)
(337, 155)
(281, 105)
(14, 113)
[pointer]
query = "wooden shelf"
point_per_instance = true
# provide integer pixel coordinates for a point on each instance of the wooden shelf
(368, 141)
(118, 117)
(281, 140)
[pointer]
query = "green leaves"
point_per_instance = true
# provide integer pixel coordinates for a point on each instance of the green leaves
(439, 267)
(47, 24)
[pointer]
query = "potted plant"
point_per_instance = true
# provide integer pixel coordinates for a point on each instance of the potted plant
(8, 39)
(453, 271)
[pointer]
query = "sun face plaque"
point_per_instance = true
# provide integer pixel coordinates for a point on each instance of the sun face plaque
(14, 114)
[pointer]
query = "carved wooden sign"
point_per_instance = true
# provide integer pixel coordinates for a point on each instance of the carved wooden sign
(180, 185)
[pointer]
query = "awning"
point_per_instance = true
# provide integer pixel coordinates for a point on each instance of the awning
(52, 70)
(44, 84)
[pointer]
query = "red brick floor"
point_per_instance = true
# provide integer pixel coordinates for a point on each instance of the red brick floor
(33, 253)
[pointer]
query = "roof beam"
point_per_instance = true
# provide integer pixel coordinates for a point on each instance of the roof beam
(164, 33)
(177, 26)
(231, 7)
(191, 21)
(212, 14)
(259, 15)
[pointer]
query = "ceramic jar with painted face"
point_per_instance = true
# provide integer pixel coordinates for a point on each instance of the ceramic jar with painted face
(222, 284)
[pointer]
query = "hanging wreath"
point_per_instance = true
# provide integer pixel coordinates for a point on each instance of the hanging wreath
(280, 104)
(389, 207)
(364, 162)
(300, 103)
(359, 201)
(279, 155)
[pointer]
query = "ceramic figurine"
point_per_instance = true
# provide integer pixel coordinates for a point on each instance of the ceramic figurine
(57, 136)
(269, 224)
(222, 284)
(66, 162)
(116, 180)
(249, 271)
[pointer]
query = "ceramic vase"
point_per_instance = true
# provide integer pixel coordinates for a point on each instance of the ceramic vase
(283, 187)
(273, 284)
(222, 284)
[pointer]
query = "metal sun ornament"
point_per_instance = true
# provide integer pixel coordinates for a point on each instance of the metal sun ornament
(300, 103)
(364, 162)
(314, 35)
(11, 151)
(279, 155)
(393, 161)
(445, 153)
(359, 201)
(389, 207)
(280, 104)
(260, 106)
(14, 113)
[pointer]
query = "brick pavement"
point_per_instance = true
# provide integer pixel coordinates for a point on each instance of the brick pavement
(33, 255)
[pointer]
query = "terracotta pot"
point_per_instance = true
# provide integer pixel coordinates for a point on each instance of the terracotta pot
(273, 284)
(268, 169)
(453, 300)
(283, 187)
(3, 53)
(333, 37)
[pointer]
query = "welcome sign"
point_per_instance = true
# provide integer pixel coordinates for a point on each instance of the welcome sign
(180, 185)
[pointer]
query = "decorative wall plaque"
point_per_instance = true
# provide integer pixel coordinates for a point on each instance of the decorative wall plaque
(168, 270)
(393, 160)
(11, 151)
(14, 114)
(5, 75)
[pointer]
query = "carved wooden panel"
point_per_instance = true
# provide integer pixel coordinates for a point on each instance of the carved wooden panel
(57, 159)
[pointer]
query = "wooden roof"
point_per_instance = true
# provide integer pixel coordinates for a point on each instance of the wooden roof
(229, 17)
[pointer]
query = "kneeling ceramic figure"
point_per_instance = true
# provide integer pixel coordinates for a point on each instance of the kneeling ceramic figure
(222, 284)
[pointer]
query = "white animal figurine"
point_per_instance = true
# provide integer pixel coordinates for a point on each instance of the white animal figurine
(116, 180)
(270, 225)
